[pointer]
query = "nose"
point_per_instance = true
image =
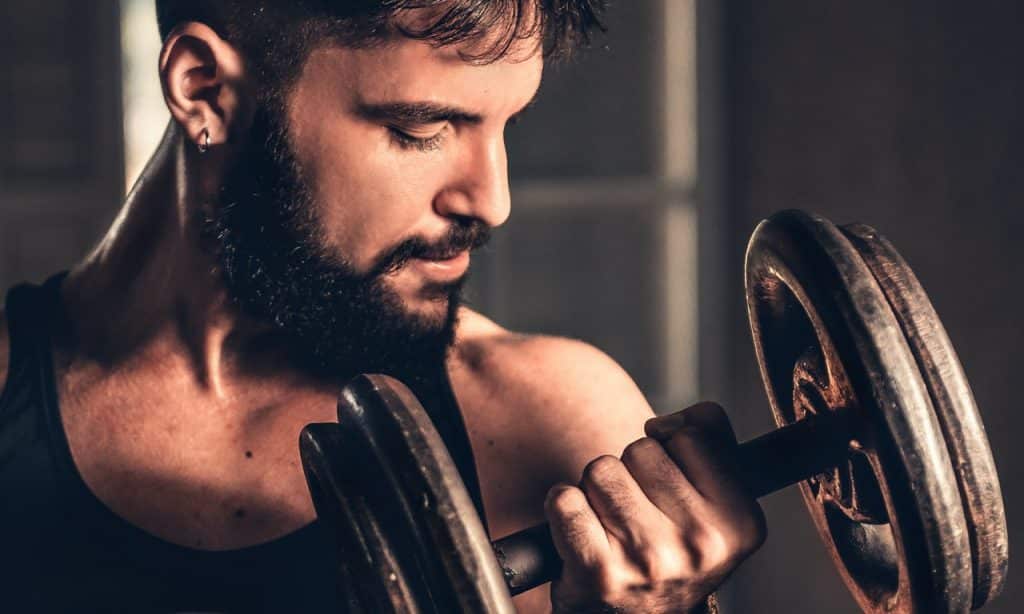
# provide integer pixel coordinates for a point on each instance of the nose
(479, 187)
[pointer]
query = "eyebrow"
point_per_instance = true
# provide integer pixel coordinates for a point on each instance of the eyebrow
(424, 112)
(416, 113)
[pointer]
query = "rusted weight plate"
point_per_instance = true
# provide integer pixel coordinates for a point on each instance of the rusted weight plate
(383, 482)
(826, 339)
(955, 407)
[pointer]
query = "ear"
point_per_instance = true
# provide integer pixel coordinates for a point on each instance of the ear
(204, 84)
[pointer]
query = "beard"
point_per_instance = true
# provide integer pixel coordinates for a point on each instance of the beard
(337, 322)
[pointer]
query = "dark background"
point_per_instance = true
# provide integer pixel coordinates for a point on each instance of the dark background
(901, 114)
(906, 116)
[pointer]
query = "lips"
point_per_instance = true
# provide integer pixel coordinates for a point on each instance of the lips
(443, 269)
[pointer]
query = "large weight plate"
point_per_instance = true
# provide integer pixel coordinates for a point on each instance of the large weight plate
(954, 405)
(409, 536)
(826, 338)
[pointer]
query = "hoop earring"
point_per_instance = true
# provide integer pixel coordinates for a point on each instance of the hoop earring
(204, 145)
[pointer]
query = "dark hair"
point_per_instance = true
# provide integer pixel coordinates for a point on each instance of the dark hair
(276, 35)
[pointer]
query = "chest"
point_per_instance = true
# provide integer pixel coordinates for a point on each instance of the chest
(221, 474)
(199, 472)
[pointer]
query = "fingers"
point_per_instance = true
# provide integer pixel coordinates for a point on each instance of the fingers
(618, 508)
(664, 524)
(706, 416)
(625, 540)
(702, 443)
(639, 534)
(619, 502)
(576, 531)
(732, 522)
(661, 480)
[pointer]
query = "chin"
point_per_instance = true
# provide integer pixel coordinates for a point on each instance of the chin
(431, 308)
(427, 299)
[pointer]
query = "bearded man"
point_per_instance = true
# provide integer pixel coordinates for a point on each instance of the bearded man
(309, 215)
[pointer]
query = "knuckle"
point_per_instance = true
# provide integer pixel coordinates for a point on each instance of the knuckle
(662, 560)
(715, 423)
(718, 547)
(602, 469)
(639, 449)
(730, 542)
(745, 532)
(702, 550)
(686, 437)
(608, 580)
(694, 557)
(564, 500)
(710, 408)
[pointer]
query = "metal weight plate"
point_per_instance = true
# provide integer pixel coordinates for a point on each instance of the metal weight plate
(384, 484)
(826, 339)
(954, 405)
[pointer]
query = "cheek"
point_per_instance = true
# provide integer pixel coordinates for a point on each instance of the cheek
(368, 195)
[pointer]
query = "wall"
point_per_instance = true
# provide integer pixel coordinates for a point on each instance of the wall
(61, 170)
(601, 242)
(906, 116)
(900, 114)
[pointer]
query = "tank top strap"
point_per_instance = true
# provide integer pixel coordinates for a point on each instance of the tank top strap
(434, 391)
(462, 452)
(33, 315)
(29, 309)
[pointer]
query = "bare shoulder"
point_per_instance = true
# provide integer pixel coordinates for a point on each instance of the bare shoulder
(562, 378)
(5, 351)
(544, 406)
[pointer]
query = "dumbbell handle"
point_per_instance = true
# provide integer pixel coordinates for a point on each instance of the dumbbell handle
(766, 464)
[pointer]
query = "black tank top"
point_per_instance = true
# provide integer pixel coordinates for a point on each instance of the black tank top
(63, 550)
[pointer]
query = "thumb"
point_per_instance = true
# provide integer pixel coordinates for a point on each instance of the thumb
(705, 416)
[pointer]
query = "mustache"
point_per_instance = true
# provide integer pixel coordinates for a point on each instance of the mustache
(461, 236)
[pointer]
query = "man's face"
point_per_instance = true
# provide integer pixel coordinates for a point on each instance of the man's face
(403, 142)
(350, 218)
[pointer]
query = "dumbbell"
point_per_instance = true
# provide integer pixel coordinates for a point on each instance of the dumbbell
(876, 420)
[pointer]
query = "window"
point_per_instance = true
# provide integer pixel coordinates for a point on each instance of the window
(145, 114)
(602, 241)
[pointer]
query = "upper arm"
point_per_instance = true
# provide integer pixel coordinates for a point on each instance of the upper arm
(581, 403)
(542, 408)
(538, 409)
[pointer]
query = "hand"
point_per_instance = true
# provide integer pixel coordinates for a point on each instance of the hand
(659, 529)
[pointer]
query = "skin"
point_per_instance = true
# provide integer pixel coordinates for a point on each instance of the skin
(182, 414)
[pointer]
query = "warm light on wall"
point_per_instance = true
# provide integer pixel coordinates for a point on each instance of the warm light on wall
(145, 115)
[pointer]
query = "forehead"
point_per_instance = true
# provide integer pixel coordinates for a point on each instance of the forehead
(406, 69)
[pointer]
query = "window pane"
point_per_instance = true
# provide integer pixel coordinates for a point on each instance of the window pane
(597, 115)
(145, 115)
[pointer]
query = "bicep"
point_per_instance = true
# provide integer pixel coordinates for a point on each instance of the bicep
(561, 404)
(602, 409)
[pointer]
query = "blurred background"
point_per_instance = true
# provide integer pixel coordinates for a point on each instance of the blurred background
(637, 179)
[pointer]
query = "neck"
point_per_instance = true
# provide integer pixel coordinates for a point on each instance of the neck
(151, 293)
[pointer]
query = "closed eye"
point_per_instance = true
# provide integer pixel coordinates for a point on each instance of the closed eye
(411, 142)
